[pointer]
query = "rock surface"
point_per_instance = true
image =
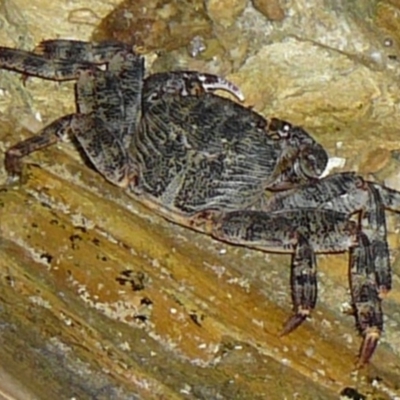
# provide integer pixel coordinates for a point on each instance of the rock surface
(102, 299)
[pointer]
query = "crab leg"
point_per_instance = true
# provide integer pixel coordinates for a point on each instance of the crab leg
(187, 83)
(77, 50)
(99, 53)
(349, 193)
(370, 271)
(50, 135)
(303, 281)
(301, 233)
(116, 94)
(100, 145)
(374, 226)
(59, 60)
(389, 197)
(111, 101)
(31, 64)
(366, 302)
(333, 192)
(104, 149)
(109, 111)
(211, 83)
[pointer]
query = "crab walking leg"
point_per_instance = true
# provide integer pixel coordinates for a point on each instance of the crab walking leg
(31, 64)
(104, 149)
(100, 145)
(366, 303)
(77, 50)
(301, 233)
(211, 83)
(187, 83)
(114, 95)
(388, 199)
(56, 131)
(60, 60)
(101, 52)
(303, 282)
(109, 111)
(131, 74)
(50, 135)
(374, 227)
(349, 193)
(112, 100)
(337, 192)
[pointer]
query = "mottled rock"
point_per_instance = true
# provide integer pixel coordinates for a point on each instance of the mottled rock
(270, 9)
(387, 20)
(225, 12)
(302, 81)
(156, 24)
(374, 161)
(395, 3)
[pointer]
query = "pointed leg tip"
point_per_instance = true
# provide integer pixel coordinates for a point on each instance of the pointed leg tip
(368, 346)
(294, 322)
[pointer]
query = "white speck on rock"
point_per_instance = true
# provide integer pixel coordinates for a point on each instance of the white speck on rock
(310, 351)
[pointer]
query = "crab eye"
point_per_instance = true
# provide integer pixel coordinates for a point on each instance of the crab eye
(313, 161)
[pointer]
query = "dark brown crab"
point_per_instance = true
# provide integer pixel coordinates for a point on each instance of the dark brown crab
(205, 162)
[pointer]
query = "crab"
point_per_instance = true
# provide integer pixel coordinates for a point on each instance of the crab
(206, 162)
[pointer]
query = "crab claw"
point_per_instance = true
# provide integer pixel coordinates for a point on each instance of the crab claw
(368, 346)
(294, 322)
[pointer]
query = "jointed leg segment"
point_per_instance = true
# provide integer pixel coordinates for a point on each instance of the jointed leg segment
(287, 225)
(366, 303)
(303, 282)
(50, 135)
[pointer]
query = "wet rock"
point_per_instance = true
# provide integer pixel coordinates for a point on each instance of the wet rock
(156, 24)
(387, 20)
(270, 9)
(375, 161)
(302, 81)
(225, 12)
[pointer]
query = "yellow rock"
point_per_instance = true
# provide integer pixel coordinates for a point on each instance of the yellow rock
(225, 12)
